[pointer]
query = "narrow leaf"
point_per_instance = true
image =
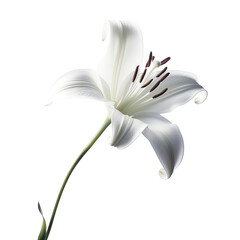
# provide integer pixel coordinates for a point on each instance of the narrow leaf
(42, 233)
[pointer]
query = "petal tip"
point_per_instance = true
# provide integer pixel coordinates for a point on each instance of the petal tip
(163, 174)
(201, 97)
(110, 140)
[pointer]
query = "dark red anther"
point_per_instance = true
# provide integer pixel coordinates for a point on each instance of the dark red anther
(149, 60)
(135, 73)
(158, 82)
(161, 93)
(143, 75)
(163, 71)
(146, 84)
(165, 60)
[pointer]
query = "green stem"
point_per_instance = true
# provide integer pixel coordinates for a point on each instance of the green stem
(99, 133)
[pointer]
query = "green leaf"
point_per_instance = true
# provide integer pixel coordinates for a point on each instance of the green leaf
(42, 233)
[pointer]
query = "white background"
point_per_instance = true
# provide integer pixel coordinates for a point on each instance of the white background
(117, 194)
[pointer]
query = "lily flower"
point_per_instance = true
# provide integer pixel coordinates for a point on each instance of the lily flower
(136, 95)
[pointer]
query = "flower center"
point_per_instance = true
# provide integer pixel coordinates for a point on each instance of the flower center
(144, 87)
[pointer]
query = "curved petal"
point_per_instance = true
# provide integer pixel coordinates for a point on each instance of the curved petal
(124, 52)
(125, 129)
(80, 83)
(181, 88)
(166, 140)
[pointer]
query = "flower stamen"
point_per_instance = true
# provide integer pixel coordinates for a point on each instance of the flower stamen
(135, 73)
(165, 60)
(161, 93)
(159, 81)
(146, 84)
(143, 75)
(149, 60)
(163, 71)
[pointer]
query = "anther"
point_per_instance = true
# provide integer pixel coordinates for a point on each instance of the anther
(153, 57)
(163, 71)
(161, 93)
(159, 81)
(143, 75)
(146, 84)
(135, 73)
(165, 60)
(149, 60)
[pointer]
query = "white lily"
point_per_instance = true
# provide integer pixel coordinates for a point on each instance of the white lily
(134, 99)
(137, 96)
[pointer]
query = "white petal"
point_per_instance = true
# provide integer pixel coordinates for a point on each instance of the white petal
(124, 52)
(166, 140)
(182, 87)
(125, 129)
(80, 83)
